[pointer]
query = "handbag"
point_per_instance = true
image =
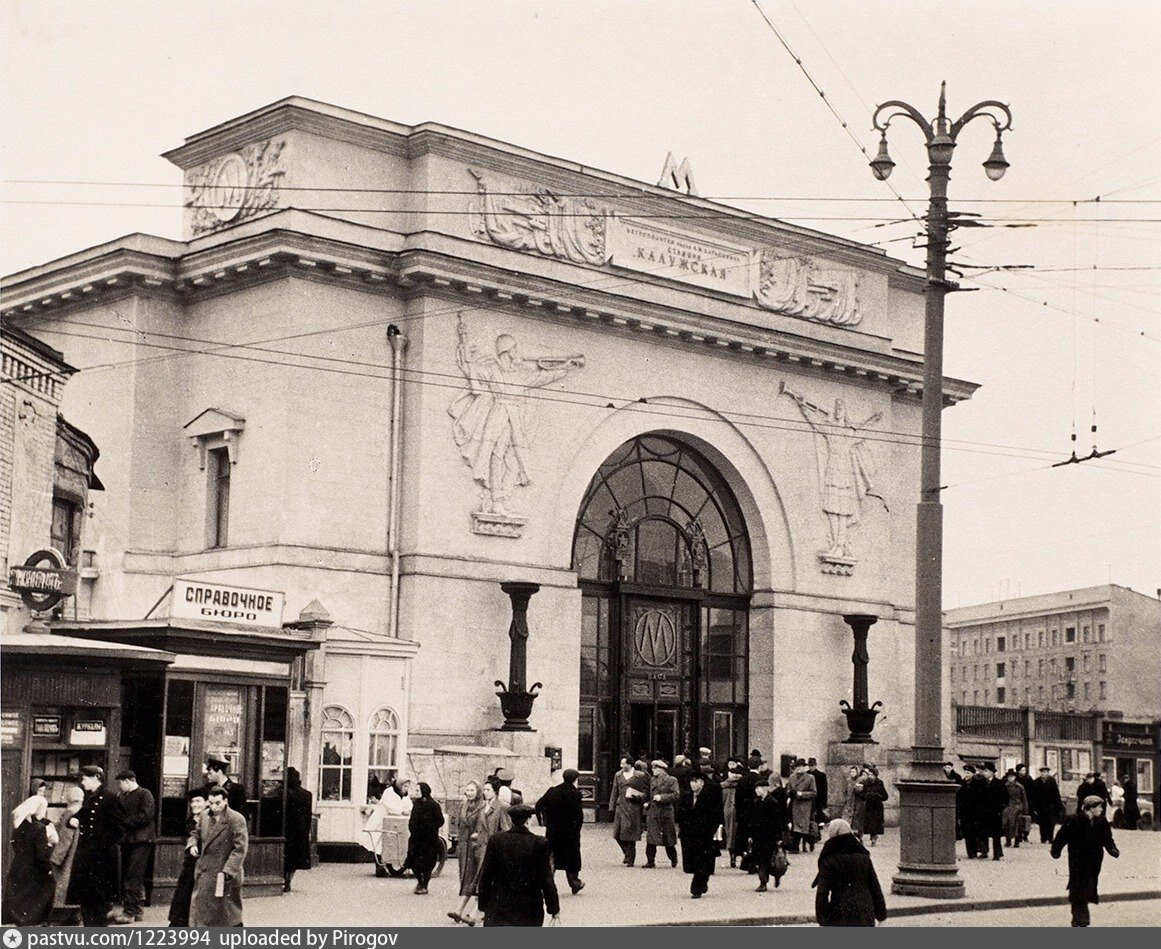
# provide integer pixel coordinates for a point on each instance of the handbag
(779, 863)
(813, 833)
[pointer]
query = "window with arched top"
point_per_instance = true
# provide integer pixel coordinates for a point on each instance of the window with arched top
(337, 756)
(383, 752)
(658, 513)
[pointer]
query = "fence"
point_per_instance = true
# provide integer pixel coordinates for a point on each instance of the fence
(1012, 724)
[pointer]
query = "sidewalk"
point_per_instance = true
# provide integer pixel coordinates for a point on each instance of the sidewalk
(350, 894)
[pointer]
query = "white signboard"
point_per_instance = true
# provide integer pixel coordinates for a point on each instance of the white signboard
(663, 252)
(205, 600)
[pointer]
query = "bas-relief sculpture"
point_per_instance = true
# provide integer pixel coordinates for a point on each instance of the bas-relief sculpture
(576, 229)
(234, 187)
(490, 423)
(846, 476)
(794, 286)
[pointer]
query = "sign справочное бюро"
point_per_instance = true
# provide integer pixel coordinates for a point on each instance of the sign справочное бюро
(205, 600)
(664, 252)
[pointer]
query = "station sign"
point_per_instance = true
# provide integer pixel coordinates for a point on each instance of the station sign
(43, 580)
(206, 600)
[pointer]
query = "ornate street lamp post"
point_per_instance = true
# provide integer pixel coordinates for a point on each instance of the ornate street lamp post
(927, 799)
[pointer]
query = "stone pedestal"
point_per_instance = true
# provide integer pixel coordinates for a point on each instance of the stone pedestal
(927, 863)
(841, 755)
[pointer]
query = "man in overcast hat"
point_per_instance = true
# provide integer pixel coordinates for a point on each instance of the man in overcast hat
(1087, 836)
(515, 882)
(660, 821)
(995, 800)
(560, 812)
(1047, 807)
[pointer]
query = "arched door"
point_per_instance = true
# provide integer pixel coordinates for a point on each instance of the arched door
(664, 563)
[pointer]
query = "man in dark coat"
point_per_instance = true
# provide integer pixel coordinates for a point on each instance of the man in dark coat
(1026, 781)
(1091, 785)
(1046, 804)
(1131, 809)
(769, 818)
(183, 889)
(848, 888)
(992, 818)
(702, 815)
(515, 882)
(820, 800)
(299, 816)
(140, 812)
(100, 821)
(660, 825)
(745, 797)
(966, 803)
(560, 812)
(1087, 836)
(218, 776)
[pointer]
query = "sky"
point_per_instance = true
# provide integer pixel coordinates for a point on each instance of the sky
(92, 93)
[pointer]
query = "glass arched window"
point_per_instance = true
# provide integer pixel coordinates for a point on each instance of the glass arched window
(657, 513)
(383, 753)
(336, 762)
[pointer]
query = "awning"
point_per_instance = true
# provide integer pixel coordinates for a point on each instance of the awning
(50, 645)
(196, 637)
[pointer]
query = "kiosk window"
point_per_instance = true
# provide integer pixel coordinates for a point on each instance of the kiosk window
(338, 740)
(382, 757)
(1144, 776)
(175, 762)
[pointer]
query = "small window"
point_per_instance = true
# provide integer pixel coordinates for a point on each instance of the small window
(1084, 634)
(953, 673)
(1100, 632)
(1041, 668)
(988, 645)
(1027, 696)
(218, 498)
(1087, 659)
(1040, 639)
(1027, 640)
(1070, 690)
(975, 697)
(1103, 663)
(1000, 694)
(1103, 690)
(1055, 638)
(1027, 667)
(1070, 634)
(382, 759)
(1040, 695)
(1000, 670)
(1070, 663)
(1087, 691)
(987, 696)
(1001, 642)
(66, 527)
(335, 766)
(963, 698)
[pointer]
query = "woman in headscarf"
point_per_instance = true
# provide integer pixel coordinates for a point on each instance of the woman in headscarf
(29, 887)
(423, 850)
(63, 854)
(1014, 810)
(734, 773)
(468, 854)
(848, 889)
(384, 830)
(849, 802)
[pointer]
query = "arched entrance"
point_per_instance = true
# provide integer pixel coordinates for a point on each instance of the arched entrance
(664, 562)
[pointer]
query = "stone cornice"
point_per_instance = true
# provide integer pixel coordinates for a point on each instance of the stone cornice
(225, 265)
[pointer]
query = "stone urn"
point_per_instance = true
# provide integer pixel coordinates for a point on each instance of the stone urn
(516, 706)
(861, 722)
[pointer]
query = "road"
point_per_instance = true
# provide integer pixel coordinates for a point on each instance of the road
(1127, 913)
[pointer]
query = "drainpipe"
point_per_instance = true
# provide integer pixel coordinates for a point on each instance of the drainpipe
(398, 344)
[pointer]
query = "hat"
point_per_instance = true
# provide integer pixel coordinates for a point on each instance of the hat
(92, 771)
(503, 774)
(217, 764)
(1045, 767)
(989, 766)
(736, 768)
(812, 761)
(1091, 801)
(800, 762)
(704, 752)
(640, 765)
(126, 775)
(970, 768)
(658, 763)
(697, 776)
(521, 811)
(569, 775)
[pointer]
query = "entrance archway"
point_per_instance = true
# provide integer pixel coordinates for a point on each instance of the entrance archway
(663, 557)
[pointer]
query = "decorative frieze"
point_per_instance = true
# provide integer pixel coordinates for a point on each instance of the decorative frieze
(795, 286)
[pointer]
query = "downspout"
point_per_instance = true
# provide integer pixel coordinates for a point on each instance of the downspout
(398, 344)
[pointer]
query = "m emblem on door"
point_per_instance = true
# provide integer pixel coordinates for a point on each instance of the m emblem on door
(655, 639)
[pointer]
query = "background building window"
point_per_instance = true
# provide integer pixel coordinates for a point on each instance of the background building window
(1086, 661)
(1000, 694)
(1040, 639)
(1001, 643)
(1084, 634)
(1070, 690)
(1100, 632)
(1103, 691)
(218, 498)
(335, 765)
(1000, 669)
(382, 757)
(1070, 634)
(953, 673)
(66, 527)
(1087, 691)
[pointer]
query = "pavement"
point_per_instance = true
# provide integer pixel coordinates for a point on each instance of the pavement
(345, 894)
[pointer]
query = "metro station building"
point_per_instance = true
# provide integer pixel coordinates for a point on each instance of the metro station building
(389, 368)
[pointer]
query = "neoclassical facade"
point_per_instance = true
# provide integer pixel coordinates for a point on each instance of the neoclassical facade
(391, 367)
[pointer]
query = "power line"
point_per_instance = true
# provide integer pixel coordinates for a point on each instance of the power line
(595, 400)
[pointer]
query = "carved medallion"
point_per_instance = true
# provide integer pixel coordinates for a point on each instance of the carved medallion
(795, 286)
(235, 186)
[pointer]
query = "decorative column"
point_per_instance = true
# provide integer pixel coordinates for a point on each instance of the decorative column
(516, 700)
(861, 717)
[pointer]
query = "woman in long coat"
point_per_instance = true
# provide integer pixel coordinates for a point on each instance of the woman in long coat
(299, 816)
(660, 825)
(768, 828)
(701, 817)
(491, 818)
(627, 800)
(1014, 810)
(423, 826)
(802, 794)
(63, 854)
(850, 801)
(849, 893)
(874, 794)
(29, 887)
(730, 825)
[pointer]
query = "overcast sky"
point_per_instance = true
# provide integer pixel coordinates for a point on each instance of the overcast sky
(94, 91)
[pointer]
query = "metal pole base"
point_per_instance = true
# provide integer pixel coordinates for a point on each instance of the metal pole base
(927, 864)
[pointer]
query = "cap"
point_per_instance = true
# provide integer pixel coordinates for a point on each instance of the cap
(989, 766)
(640, 765)
(504, 775)
(521, 811)
(217, 764)
(1092, 800)
(92, 771)
(736, 768)
(569, 775)
(800, 762)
